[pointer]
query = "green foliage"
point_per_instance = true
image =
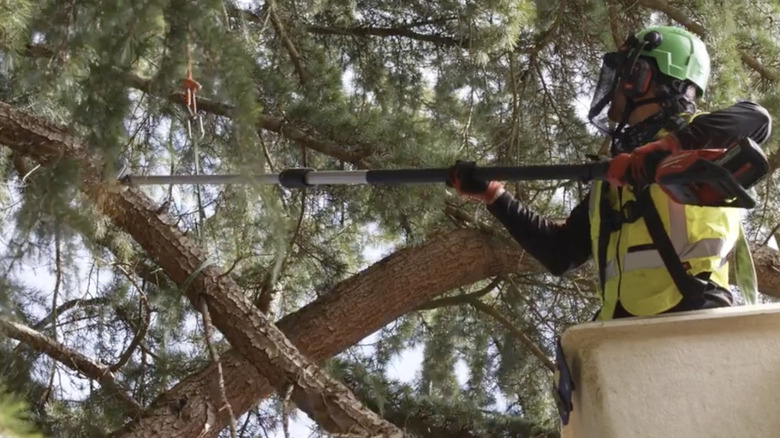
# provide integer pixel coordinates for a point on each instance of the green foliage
(340, 85)
(424, 416)
(14, 417)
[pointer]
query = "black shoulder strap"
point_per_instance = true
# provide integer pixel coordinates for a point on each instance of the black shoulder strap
(691, 288)
(606, 227)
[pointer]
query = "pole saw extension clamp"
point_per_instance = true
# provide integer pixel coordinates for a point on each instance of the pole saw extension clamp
(705, 177)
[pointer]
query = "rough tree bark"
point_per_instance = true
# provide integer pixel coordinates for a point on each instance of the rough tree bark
(329, 402)
(354, 309)
(767, 261)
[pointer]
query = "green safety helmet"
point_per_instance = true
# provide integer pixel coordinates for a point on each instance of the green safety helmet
(680, 55)
(664, 55)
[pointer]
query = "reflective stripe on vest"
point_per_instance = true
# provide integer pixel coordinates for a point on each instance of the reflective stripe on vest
(651, 259)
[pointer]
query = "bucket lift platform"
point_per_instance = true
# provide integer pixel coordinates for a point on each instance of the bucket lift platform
(708, 373)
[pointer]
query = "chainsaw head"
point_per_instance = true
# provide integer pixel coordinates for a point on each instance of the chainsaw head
(714, 177)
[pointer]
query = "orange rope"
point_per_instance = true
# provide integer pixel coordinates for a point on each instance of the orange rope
(191, 86)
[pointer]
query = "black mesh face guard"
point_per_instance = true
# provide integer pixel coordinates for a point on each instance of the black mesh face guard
(614, 67)
(605, 90)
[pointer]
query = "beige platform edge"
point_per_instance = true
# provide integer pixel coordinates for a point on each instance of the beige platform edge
(711, 373)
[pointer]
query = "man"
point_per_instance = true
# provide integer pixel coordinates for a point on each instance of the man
(650, 85)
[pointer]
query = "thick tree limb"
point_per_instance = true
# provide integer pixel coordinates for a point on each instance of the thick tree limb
(250, 332)
(71, 359)
(767, 261)
(353, 310)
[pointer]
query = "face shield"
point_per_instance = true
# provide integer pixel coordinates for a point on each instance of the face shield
(609, 77)
(615, 67)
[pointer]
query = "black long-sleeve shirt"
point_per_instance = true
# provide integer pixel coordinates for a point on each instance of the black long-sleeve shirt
(564, 245)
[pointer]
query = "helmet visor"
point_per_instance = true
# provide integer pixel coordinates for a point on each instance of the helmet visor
(605, 90)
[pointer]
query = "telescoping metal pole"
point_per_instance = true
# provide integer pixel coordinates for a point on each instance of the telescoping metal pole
(305, 177)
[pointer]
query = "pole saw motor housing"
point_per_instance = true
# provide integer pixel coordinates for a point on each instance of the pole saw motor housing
(714, 177)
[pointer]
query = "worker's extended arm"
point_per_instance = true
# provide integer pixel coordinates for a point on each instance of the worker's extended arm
(558, 245)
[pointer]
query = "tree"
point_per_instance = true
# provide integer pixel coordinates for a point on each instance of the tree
(176, 310)
(13, 423)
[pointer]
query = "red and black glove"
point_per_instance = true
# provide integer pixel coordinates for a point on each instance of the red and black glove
(461, 178)
(618, 173)
(638, 168)
(645, 159)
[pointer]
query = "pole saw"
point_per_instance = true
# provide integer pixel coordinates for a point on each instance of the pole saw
(704, 177)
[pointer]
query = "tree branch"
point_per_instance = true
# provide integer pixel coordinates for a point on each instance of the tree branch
(264, 121)
(547, 36)
(267, 122)
(676, 15)
(441, 40)
(249, 331)
(67, 305)
(680, 17)
(766, 73)
(434, 418)
(71, 359)
(214, 355)
(614, 23)
(364, 31)
(354, 309)
(140, 333)
(460, 299)
(288, 44)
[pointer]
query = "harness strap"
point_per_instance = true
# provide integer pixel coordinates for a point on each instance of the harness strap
(691, 288)
(606, 227)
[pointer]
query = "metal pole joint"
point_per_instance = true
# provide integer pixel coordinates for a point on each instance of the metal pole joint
(295, 178)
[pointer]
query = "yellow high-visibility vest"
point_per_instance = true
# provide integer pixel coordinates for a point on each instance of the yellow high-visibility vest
(633, 270)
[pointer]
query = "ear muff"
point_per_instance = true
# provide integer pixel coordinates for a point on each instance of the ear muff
(637, 82)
